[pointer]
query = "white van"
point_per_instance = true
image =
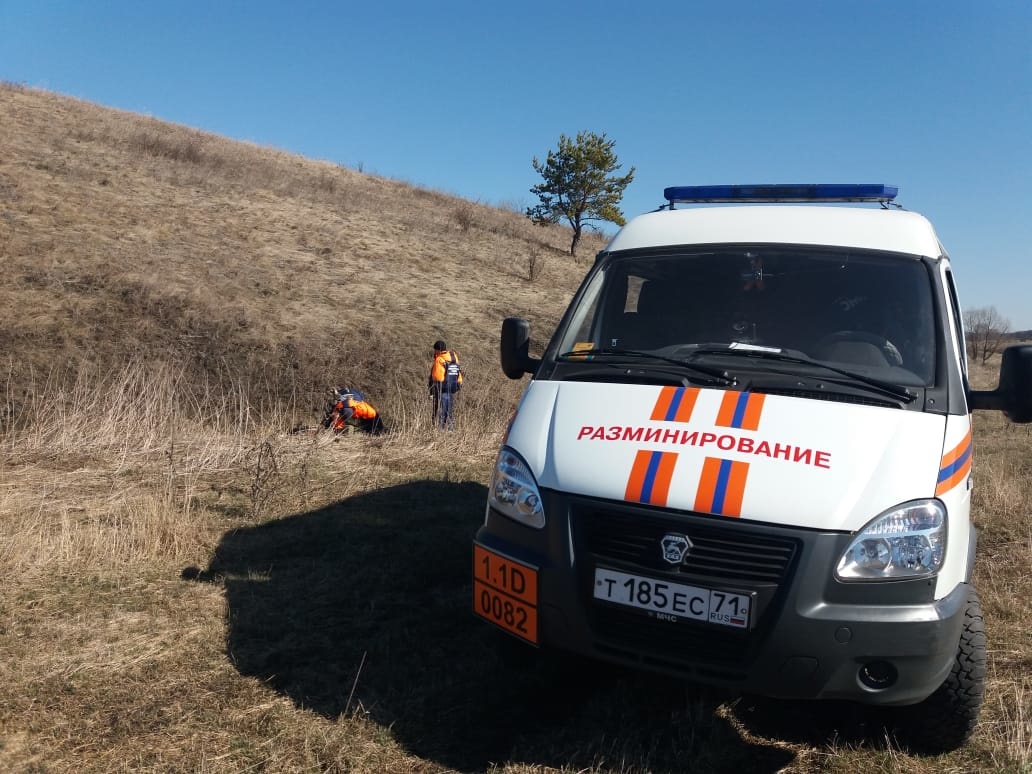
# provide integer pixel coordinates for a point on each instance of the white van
(744, 458)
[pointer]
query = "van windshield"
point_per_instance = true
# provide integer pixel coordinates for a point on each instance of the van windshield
(867, 311)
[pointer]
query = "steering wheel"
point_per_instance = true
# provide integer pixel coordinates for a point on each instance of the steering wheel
(887, 349)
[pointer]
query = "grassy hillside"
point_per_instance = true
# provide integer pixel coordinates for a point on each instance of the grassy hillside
(126, 239)
(190, 587)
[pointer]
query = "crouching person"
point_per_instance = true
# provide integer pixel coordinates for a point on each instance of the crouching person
(349, 409)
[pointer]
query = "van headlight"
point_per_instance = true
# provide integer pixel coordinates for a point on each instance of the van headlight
(907, 542)
(514, 492)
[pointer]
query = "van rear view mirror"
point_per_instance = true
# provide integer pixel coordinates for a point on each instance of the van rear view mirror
(515, 348)
(1013, 396)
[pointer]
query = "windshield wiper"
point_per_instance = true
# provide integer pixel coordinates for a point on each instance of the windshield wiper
(886, 388)
(610, 354)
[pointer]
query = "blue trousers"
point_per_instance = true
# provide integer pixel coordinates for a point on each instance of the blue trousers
(444, 415)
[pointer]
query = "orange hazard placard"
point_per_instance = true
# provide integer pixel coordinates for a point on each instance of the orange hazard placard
(505, 593)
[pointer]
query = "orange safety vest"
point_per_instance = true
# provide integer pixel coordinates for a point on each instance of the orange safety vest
(361, 409)
(440, 361)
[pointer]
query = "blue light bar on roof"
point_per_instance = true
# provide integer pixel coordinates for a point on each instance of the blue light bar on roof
(783, 192)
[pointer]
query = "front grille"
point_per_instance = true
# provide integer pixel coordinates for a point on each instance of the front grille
(719, 554)
(724, 555)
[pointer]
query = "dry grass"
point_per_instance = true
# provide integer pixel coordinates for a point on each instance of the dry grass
(190, 587)
(125, 239)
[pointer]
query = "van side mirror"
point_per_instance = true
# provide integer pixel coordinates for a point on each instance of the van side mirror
(515, 348)
(1013, 396)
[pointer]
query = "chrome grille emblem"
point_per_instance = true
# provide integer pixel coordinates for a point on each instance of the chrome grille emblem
(675, 547)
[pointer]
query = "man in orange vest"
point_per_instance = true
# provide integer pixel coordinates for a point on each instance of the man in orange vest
(445, 380)
(349, 408)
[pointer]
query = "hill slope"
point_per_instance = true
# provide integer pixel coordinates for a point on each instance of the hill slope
(124, 238)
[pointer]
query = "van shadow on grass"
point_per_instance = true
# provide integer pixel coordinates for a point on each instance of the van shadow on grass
(364, 608)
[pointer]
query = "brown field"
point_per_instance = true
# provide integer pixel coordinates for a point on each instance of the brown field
(188, 586)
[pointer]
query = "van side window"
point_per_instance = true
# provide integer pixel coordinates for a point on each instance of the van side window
(959, 339)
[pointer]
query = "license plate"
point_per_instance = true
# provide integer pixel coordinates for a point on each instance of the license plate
(505, 593)
(672, 601)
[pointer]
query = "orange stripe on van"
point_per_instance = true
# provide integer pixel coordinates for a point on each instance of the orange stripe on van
(687, 405)
(741, 410)
(707, 485)
(659, 411)
(753, 410)
(951, 456)
(728, 405)
(637, 477)
(955, 465)
(722, 487)
(651, 474)
(661, 486)
(675, 404)
(735, 492)
(946, 485)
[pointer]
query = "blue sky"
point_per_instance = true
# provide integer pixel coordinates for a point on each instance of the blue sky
(933, 97)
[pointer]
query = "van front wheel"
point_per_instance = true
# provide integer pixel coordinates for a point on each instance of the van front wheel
(946, 719)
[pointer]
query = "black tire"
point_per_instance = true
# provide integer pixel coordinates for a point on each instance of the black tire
(946, 719)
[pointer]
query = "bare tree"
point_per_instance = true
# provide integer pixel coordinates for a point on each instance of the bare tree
(986, 332)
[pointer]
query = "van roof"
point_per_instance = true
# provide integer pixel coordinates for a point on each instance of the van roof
(865, 228)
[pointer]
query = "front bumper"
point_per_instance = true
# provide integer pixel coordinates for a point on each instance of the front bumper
(809, 635)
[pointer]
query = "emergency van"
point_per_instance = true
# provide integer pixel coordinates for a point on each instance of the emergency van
(744, 458)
